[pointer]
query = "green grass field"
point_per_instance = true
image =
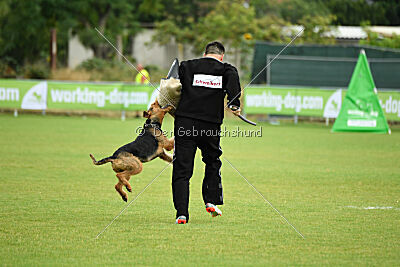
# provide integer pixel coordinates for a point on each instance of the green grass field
(54, 201)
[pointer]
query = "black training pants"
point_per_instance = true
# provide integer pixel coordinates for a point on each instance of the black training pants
(191, 134)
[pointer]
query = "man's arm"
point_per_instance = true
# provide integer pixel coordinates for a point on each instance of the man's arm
(181, 72)
(233, 89)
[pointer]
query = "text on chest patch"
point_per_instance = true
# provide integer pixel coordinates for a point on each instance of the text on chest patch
(210, 81)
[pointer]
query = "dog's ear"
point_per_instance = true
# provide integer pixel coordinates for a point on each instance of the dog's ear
(146, 114)
(156, 102)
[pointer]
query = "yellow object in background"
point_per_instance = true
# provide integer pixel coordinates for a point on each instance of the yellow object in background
(248, 36)
(140, 77)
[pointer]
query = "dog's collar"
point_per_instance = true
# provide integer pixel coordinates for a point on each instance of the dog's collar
(150, 124)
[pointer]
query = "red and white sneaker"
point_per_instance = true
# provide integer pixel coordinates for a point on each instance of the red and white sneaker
(181, 220)
(213, 210)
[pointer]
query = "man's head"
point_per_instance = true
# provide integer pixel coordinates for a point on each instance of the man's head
(215, 49)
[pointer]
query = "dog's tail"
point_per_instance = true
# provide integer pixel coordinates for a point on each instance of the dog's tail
(102, 161)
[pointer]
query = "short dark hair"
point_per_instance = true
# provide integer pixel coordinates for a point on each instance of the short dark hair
(215, 48)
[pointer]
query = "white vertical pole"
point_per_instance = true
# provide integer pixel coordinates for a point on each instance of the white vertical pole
(296, 117)
(268, 71)
(123, 117)
(119, 46)
(53, 49)
(15, 113)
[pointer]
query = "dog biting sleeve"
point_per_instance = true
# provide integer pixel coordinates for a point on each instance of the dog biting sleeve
(170, 93)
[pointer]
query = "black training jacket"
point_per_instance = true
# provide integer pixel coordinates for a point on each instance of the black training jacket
(205, 82)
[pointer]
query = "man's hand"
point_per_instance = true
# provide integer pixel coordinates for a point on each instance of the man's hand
(235, 110)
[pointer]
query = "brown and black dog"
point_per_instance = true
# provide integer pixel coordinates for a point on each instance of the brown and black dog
(150, 144)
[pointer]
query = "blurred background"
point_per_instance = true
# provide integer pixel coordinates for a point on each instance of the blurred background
(55, 39)
(51, 54)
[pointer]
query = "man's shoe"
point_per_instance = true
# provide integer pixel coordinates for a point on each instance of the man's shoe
(181, 220)
(213, 210)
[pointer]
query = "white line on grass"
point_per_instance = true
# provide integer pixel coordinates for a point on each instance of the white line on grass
(372, 208)
(133, 200)
(266, 200)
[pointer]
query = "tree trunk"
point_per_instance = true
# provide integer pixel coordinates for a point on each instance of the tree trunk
(237, 60)
(100, 49)
(180, 51)
(119, 47)
(53, 49)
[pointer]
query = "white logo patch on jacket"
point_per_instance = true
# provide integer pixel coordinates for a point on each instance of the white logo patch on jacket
(209, 81)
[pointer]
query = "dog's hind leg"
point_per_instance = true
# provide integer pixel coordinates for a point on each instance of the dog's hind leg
(136, 167)
(126, 165)
(124, 195)
(124, 177)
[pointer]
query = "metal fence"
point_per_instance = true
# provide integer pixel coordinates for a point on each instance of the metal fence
(328, 71)
(323, 66)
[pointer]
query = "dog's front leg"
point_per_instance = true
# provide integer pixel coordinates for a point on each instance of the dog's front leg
(166, 156)
(169, 143)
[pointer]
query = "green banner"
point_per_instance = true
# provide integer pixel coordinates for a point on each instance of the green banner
(110, 96)
(390, 103)
(308, 101)
(31, 94)
(23, 94)
(291, 101)
(361, 110)
(73, 95)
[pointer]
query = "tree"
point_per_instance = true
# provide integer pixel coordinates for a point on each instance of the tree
(377, 12)
(230, 22)
(315, 29)
(375, 39)
(4, 10)
(25, 34)
(275, 17)
(111, 18)
(180, 18)
(238, 25)
(295, 10)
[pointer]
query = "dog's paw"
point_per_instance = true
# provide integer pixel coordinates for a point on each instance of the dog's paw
(124, 198)
(129, 189)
